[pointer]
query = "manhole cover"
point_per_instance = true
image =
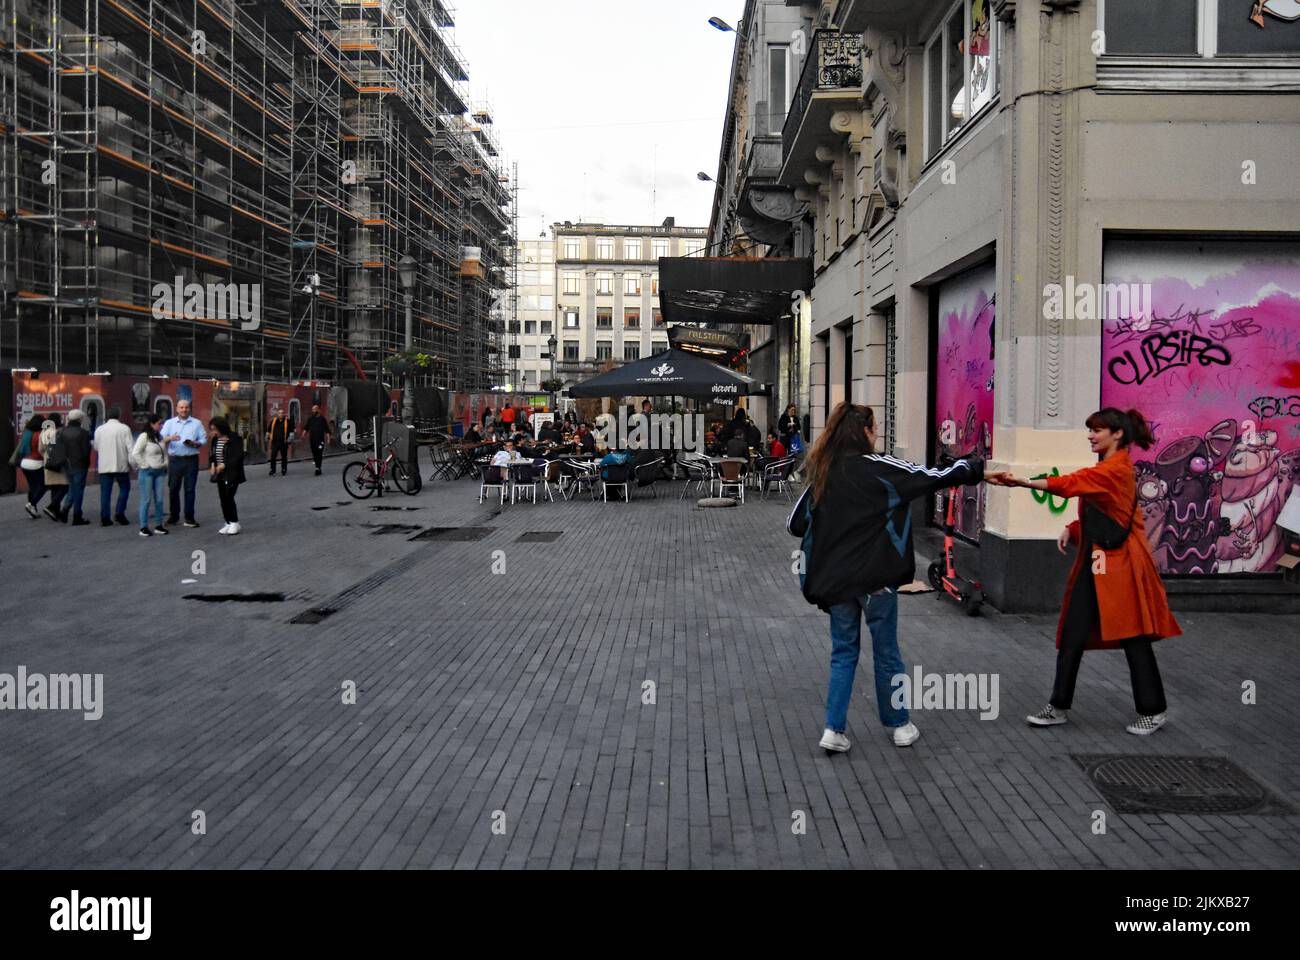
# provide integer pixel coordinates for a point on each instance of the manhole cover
(457, 534)
(1163, 784)
(236, 597)
(540, 536)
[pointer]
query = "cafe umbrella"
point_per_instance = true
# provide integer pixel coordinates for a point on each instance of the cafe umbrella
(672, 373)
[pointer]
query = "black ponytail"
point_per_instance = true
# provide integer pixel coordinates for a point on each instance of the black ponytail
(1132, 424)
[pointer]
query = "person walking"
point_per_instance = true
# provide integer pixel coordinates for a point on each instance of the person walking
(149, 456)
(185, 437)
(56, 480)
(278, 432)
(226, 464)
(113, 464)
(1114, 597)
(32, 465)
(75, 442)
(317, 432)
(854, 518)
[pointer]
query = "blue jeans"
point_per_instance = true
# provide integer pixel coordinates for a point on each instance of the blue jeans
(106, 494)
(182, 470)
(846, 632)
(76, 490)
(151, 487)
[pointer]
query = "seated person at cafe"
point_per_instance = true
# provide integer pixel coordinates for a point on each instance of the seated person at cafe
(616, 457)
(503, 458)
(473, 436)
(549, 434)
(738, 445)
(775, 447)
(586, 440)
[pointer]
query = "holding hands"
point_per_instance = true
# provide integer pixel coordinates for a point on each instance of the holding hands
(1005, 478)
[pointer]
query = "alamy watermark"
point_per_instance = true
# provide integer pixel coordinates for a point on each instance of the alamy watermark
(946, 691)
(209, 301)
(1098, 301)
(57, 691)
(655, 431)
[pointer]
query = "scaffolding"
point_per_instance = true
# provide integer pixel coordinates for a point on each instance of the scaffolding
(295, 148)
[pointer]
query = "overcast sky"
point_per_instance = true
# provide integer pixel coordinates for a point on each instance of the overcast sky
(610, 107)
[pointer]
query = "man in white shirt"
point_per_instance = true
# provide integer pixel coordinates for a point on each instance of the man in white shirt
(503, 459)
(185, 437)
(112, 445)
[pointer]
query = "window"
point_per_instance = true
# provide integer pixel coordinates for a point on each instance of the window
(604, 249)
(660, 248)
(1191, 28)
(632, 351)
(631, 249)
(778, 86)
(546, 327)
(546, 302)
(571, 350)
(530, 351)
(960, 71)
(632, 285)
(604, 350)
(632, 318)
(605, 284)
(530, 326)
(572, 283)
(654, 285)
(691, 247)
(573, 249)
(571, 318)
(658, 320)
(660, 346)
(604, 318)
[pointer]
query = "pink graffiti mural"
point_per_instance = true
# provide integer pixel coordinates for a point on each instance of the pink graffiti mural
(963, 393)
(1216, 369)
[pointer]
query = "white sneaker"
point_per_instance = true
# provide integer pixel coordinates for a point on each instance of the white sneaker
(1145, 726)
(233, 530)
(224, 530)
(906, 735)
(833, 742)
(1049, 716)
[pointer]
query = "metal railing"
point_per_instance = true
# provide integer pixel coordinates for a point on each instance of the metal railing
(834, 62)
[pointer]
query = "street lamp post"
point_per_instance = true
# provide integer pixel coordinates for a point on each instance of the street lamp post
(552, 343)
(406, 273)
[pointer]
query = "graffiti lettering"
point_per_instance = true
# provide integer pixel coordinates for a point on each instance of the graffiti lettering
(1132, 329)
(1042, 496)
(1164, 351)
(1265, 407)
(1228, 329)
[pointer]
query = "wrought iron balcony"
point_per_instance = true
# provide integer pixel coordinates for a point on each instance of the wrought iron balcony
(833, 66)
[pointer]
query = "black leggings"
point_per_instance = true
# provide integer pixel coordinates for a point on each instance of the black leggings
(226, 493)
(35, 485)
(1081, 616)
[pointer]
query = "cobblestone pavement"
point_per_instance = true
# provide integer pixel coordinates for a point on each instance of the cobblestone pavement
(499, 717)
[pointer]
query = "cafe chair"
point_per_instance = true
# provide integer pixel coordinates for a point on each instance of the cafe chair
(553, 475)
(699, 471)
(777, 473)
(731, 476)
(491, 480)
(524, 480)
(616, 475)
(648, 473)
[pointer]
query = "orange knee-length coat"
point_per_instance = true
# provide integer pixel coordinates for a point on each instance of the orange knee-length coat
(1130, 595)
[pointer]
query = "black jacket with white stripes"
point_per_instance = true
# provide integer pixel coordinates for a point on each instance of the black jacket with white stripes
(857, 538)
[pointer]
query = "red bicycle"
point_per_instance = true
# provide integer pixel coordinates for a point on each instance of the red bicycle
(363, 478)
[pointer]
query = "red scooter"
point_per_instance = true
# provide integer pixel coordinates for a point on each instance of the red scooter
(943, 574)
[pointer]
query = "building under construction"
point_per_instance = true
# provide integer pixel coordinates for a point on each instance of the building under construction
(226, 188)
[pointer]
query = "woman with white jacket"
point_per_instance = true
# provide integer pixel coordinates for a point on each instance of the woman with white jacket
(149, 455)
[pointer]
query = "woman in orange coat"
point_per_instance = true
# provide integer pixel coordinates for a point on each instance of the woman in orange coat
(1114, 597)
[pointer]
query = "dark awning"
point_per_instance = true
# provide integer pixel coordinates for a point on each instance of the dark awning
(731, 289)
(672, 373)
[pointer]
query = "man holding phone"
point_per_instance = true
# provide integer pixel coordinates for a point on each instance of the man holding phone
(185, 437)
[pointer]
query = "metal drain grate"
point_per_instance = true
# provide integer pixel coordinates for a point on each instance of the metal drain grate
(384, 529)
(453, 534)
(236, 597)
(353, 593)
(540, 536)
(1134, 783)
(396, 509)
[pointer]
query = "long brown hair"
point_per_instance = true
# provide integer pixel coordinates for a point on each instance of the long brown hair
(1131, 422)
(842, 437)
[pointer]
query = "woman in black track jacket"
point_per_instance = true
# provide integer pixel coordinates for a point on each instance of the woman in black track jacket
(855, 521)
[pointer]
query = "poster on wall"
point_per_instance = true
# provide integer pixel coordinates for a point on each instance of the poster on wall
(1214, 364)
(963, 383)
